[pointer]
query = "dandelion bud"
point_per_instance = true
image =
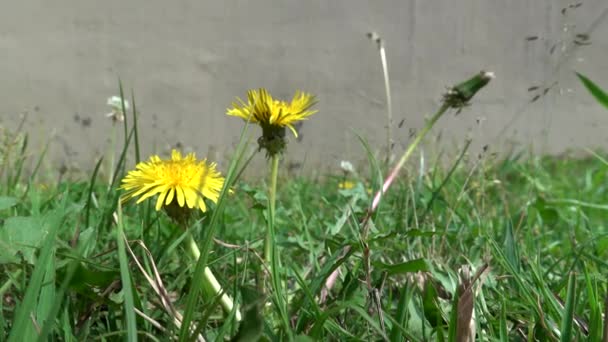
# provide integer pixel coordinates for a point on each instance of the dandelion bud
(460, 95)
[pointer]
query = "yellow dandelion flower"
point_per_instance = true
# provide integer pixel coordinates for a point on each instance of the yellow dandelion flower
(266, 111)
(346, 185)
(181, 180)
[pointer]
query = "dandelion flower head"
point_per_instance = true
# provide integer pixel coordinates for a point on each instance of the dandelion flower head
(262, 109)
(180, 180)
(346, 185)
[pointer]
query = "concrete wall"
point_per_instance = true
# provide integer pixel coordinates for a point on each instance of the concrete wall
(187, 60)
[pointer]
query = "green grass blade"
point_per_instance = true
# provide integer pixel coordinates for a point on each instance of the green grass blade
(595, 90)
(453, 324)
(568, 316)
(90, 193)
(437, 191)
(402, 330)
(39, 161)
(18, 168)
(605, 330)
(253, 318)
(124, 111)
(121, 161)
(112, 196)
(332, 264)
(125, 277)
(376, 175)
(135, 134)
(396, 332)
(3, 322)
(66, 327)
(192, 296)
(511, 247)
(314, 307)
(35, 170)
(598, 156)
(56, 306)
(22, 326)
(370, 320)
(47, 295)
(411, 266)
(595, 310)
(504, 334)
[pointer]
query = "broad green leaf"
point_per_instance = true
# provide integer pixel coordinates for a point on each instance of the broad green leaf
(549, 215)
(415, 265)
(21, 234)
(7, 202)
(22, 326)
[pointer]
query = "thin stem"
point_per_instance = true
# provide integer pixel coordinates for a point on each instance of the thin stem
(211, 287)
(272, 194)
(10, 282)
(270, 249)
(389, 106)
(387, 183)
(387, 89)
(112, 154)
(406, 155)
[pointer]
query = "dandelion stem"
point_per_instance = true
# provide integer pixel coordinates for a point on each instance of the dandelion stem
(389, 180)
(387, 89)
(406, 155)
(270, 249)
(457, 97)
(274, 173)
(211, 287)
(389, 109)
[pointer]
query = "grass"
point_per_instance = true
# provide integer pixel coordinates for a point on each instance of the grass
(539, 223)
(509, 249)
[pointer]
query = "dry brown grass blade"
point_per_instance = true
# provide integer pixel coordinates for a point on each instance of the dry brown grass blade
(465, 324)
(329, 284)
(159, 288)
(150, 320)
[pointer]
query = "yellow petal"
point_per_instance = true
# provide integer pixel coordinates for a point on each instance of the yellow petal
(149, 194)
(191, 198)
(180, 196)
(159, 203)
(161, 197)
(151, 187)
(170, 196)
(295, 133)
(202, 206)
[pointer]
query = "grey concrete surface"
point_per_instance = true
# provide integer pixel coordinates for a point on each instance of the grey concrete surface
(186, 61)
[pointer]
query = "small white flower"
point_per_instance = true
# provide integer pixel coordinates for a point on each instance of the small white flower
(346, 166)
(115, 102)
